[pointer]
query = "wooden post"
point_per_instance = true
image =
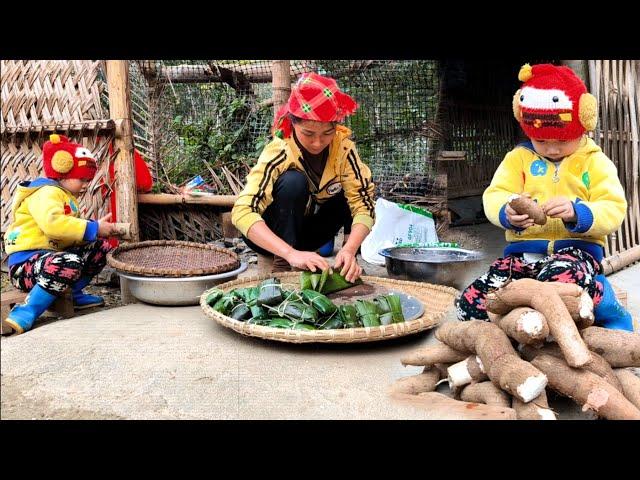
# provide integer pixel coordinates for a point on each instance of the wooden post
(125, 173)
(280, 70)
(63, 305)
(580, 67)
(442, 179)
(229, 230)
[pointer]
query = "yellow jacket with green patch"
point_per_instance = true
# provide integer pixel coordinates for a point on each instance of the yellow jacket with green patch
(587, 177)
(344, 171)
(45, 217)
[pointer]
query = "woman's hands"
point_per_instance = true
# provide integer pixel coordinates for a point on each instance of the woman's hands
(306, 260)
(346, 258)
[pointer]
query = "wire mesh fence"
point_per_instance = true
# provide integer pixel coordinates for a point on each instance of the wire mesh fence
(212, 118)
(208, 118)
(396, 126)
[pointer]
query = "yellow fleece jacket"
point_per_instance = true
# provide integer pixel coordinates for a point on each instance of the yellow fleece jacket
(587, 177)
(344, 171)
(45, 217)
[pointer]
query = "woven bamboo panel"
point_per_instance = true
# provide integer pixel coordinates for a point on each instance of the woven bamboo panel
(41, 92)
(167, 222)
(42, 97)
(486, 133)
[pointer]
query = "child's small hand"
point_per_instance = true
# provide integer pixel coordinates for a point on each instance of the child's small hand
(520, 221)
(560, 207)
(106, 228)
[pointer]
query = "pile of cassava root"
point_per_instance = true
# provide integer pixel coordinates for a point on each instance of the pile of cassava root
(556, 347)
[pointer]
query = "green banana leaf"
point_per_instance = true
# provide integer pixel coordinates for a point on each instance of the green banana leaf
(336, 282)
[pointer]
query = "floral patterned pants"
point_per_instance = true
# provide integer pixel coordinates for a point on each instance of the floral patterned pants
(55, 271)
(568, 265)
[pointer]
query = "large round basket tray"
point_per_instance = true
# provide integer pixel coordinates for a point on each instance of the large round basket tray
(172, 258)
(437, 300)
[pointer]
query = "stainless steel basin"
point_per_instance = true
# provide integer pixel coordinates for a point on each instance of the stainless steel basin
(176, 291)
(437, 265)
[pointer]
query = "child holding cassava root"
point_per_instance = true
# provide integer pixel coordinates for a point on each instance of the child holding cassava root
(574, 186)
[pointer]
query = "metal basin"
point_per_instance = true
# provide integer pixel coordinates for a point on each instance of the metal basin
(438, 265)
(176, 291)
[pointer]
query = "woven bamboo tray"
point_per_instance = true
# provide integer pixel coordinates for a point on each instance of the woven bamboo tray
(437, 299)
(172, 258)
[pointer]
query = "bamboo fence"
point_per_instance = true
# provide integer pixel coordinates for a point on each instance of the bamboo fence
(615, 84)
(43, 97)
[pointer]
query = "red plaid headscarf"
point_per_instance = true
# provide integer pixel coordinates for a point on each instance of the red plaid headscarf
(313, 97)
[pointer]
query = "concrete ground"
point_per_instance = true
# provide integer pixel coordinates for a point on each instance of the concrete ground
(147, 362)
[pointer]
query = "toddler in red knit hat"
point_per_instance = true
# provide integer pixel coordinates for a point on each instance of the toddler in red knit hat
(50, 247)
(574, 182)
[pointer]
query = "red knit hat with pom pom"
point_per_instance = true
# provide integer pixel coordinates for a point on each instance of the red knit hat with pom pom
(553, 103)
(65, 159)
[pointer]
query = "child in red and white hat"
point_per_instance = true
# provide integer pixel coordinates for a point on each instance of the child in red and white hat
(574, 182)
(50, 247)
(309, 181)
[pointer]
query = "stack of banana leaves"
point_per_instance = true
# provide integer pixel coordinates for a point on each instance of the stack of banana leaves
(271, 305)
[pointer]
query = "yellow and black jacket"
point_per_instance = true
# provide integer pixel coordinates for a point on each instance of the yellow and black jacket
(344, 171)
(587, 177)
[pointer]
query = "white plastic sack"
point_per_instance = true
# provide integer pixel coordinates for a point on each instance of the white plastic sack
(396, 224)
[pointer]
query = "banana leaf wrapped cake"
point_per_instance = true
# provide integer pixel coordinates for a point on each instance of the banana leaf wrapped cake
(307, 307)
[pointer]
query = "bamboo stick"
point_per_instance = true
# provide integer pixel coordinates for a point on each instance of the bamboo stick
(634, 107)
(172, 199)
(620, 260)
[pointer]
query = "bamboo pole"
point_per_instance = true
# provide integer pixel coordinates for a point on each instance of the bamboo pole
(281, 83)
(104, 127)
(580, 67)
(125, 173)
(634, 103)
(205, 74)
(120, 111)
(620, 260)
(171, 199)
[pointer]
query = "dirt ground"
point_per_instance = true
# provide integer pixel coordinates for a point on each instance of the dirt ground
(107, 286)
(13, 400)
(18, 402)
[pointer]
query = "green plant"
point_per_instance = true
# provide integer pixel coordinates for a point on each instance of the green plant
(222, 139)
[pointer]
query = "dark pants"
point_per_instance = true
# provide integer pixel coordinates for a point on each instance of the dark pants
(55, 271)
(568, 265)
(286, 215)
